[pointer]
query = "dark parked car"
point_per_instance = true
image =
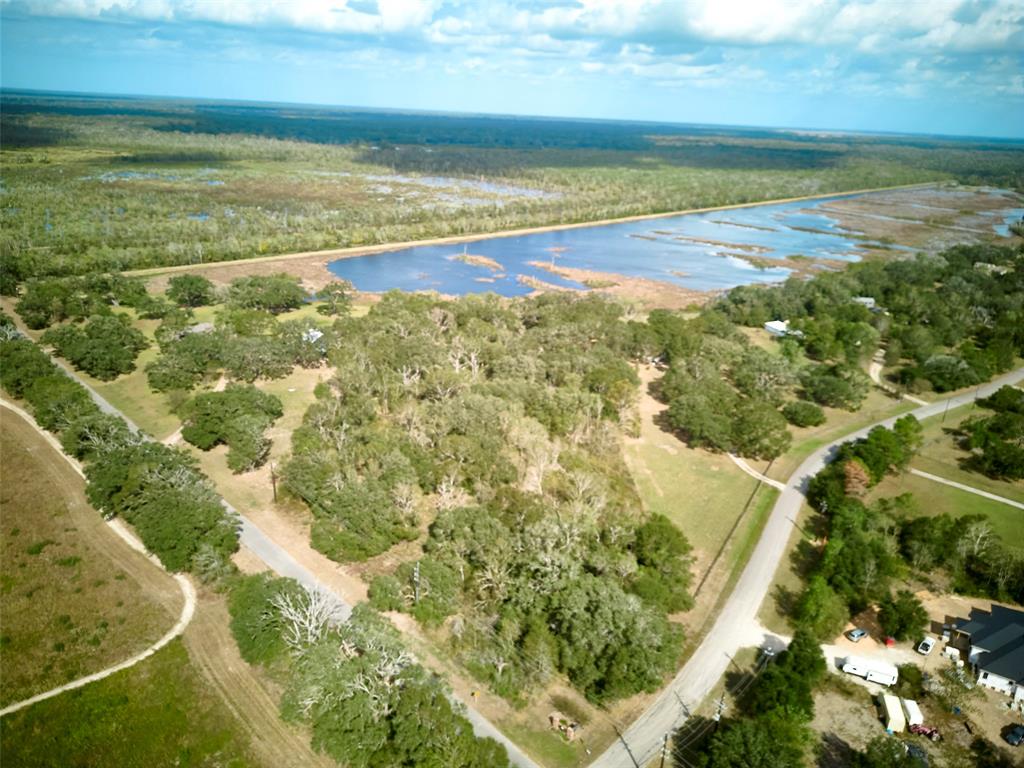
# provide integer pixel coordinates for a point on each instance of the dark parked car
(1015, 736)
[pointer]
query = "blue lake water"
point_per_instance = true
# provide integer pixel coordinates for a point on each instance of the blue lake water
(701, 251)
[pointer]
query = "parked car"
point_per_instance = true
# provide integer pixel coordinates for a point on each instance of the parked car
(926, 646)
(1015, 736)
(857, 634)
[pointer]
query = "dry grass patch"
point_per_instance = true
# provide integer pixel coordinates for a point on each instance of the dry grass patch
(70, 589)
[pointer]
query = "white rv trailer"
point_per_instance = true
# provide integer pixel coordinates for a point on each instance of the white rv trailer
(871, 670)
(913, 712)
(894, 720)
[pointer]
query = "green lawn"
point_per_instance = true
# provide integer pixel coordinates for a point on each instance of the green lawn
(158, 713)
(701, 492)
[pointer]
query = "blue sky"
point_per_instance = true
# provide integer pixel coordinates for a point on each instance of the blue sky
(940, 66)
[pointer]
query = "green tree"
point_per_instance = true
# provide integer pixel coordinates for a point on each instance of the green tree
(801, 413)
(902, 616)
(763, 742)
(887, 752)
(335, 298)
(759, 431)
(273, 293)
(821, 610)
(105, 347)
(190, 291)
(256, 627)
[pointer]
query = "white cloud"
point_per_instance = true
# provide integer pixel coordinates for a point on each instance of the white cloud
(814, 46)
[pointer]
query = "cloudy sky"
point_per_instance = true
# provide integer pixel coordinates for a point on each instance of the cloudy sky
(937, 66)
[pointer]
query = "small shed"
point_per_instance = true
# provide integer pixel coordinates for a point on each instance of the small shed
(777, 327)
(866, 301)
(893, 714)
(913, 712)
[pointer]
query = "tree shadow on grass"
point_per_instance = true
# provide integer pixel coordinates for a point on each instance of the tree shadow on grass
(834, 752)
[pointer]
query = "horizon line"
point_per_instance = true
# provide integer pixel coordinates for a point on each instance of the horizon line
(4, 89)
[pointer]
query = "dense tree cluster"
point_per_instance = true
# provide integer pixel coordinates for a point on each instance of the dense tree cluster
(156, 488)
(723, 393)
(496, 426)
(772, 731)
(246, 344)
(237, 417)
(867, 546)
(365, 698)
(51, 300)
(948, 321)
(996, 441)
(104, 347)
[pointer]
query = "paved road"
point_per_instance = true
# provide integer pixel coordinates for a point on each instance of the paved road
(187, 590)
(281, 562)
(732, 631)
(969, 489)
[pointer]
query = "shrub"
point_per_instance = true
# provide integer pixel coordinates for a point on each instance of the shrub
(801, 413)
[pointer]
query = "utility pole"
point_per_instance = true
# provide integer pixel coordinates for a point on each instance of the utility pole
(273, 480)
(416, 581)
(946, 411)
(664, 749)
(719, 710)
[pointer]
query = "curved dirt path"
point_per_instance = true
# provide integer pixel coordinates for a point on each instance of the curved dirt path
(875, 372)
(130, 564)
(755, 474)
(737, 620)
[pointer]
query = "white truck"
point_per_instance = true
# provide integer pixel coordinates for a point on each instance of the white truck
(871, 670)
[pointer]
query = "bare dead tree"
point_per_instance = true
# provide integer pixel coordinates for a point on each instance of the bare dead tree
(308, 616)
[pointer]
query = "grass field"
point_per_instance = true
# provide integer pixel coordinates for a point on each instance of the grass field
(70, 590)
(941, 456)
(158, 713)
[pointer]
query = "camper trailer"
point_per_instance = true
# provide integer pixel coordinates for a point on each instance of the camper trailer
(913, 712)
(893, 712)
(871, 670)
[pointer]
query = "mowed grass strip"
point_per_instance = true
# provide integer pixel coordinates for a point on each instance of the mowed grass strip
(70, 591)
(157, 713)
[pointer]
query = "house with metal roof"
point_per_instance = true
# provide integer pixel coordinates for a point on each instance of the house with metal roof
(996, 642)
